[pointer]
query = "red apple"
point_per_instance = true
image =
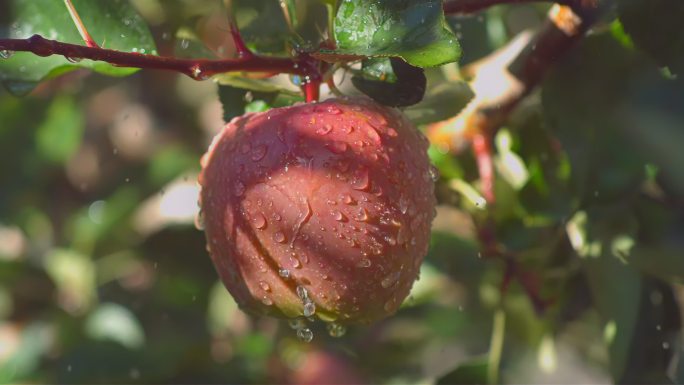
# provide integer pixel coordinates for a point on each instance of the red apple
(320, 209)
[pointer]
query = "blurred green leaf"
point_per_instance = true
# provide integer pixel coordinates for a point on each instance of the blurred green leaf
(110, 321)
(35, 341)
(221, 309)
(411, 29)
(59, 136)
(113, 24)
(656, 27)
(74, 275)
(473, 372)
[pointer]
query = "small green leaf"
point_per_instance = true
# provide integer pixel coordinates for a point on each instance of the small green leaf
(391, 82)
(415, 30)
(113, 25)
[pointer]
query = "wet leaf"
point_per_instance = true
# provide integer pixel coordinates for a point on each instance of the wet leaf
(412, 29)
(112, 24)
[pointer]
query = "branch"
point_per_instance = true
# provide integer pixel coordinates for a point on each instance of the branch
(501, 81)
(198, 69)
(456, 7)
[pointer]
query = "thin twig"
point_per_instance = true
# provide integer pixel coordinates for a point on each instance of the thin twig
(199, 69)
(90, 42)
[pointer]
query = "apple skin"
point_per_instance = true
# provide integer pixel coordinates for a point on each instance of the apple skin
(340, 194)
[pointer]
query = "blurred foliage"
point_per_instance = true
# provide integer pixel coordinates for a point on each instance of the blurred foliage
(104, 278)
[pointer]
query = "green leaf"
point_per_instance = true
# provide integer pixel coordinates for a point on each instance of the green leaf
(414, 30)
(391, 82)
(656, 27)
(60, 134)
(472, 372)
(112, 24)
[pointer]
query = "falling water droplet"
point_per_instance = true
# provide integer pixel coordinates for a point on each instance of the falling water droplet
(305, 335)
(309, 309)
(336, 330)
(259, 221)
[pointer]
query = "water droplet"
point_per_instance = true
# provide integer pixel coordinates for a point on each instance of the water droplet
(297, 323)
(324, 130)
(365, 262)
(347, 199)
(73, 59)
(361, 215)
(199, 221)
(337, 147)
(295, 262)
(266, 301)
(6, 54)
(185, 44)
(333, 109)
(391, 279)
(279, 237)
(259, 152)
(360, 180)
(336, 330)
(434, 173)
(284, 273)
(309, 309)
(337, 215)
(264, 286)
(259, 221)
(302, 293)
(239, 189)
(305, 335)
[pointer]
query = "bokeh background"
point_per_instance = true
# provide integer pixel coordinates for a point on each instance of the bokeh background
(105, 279)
